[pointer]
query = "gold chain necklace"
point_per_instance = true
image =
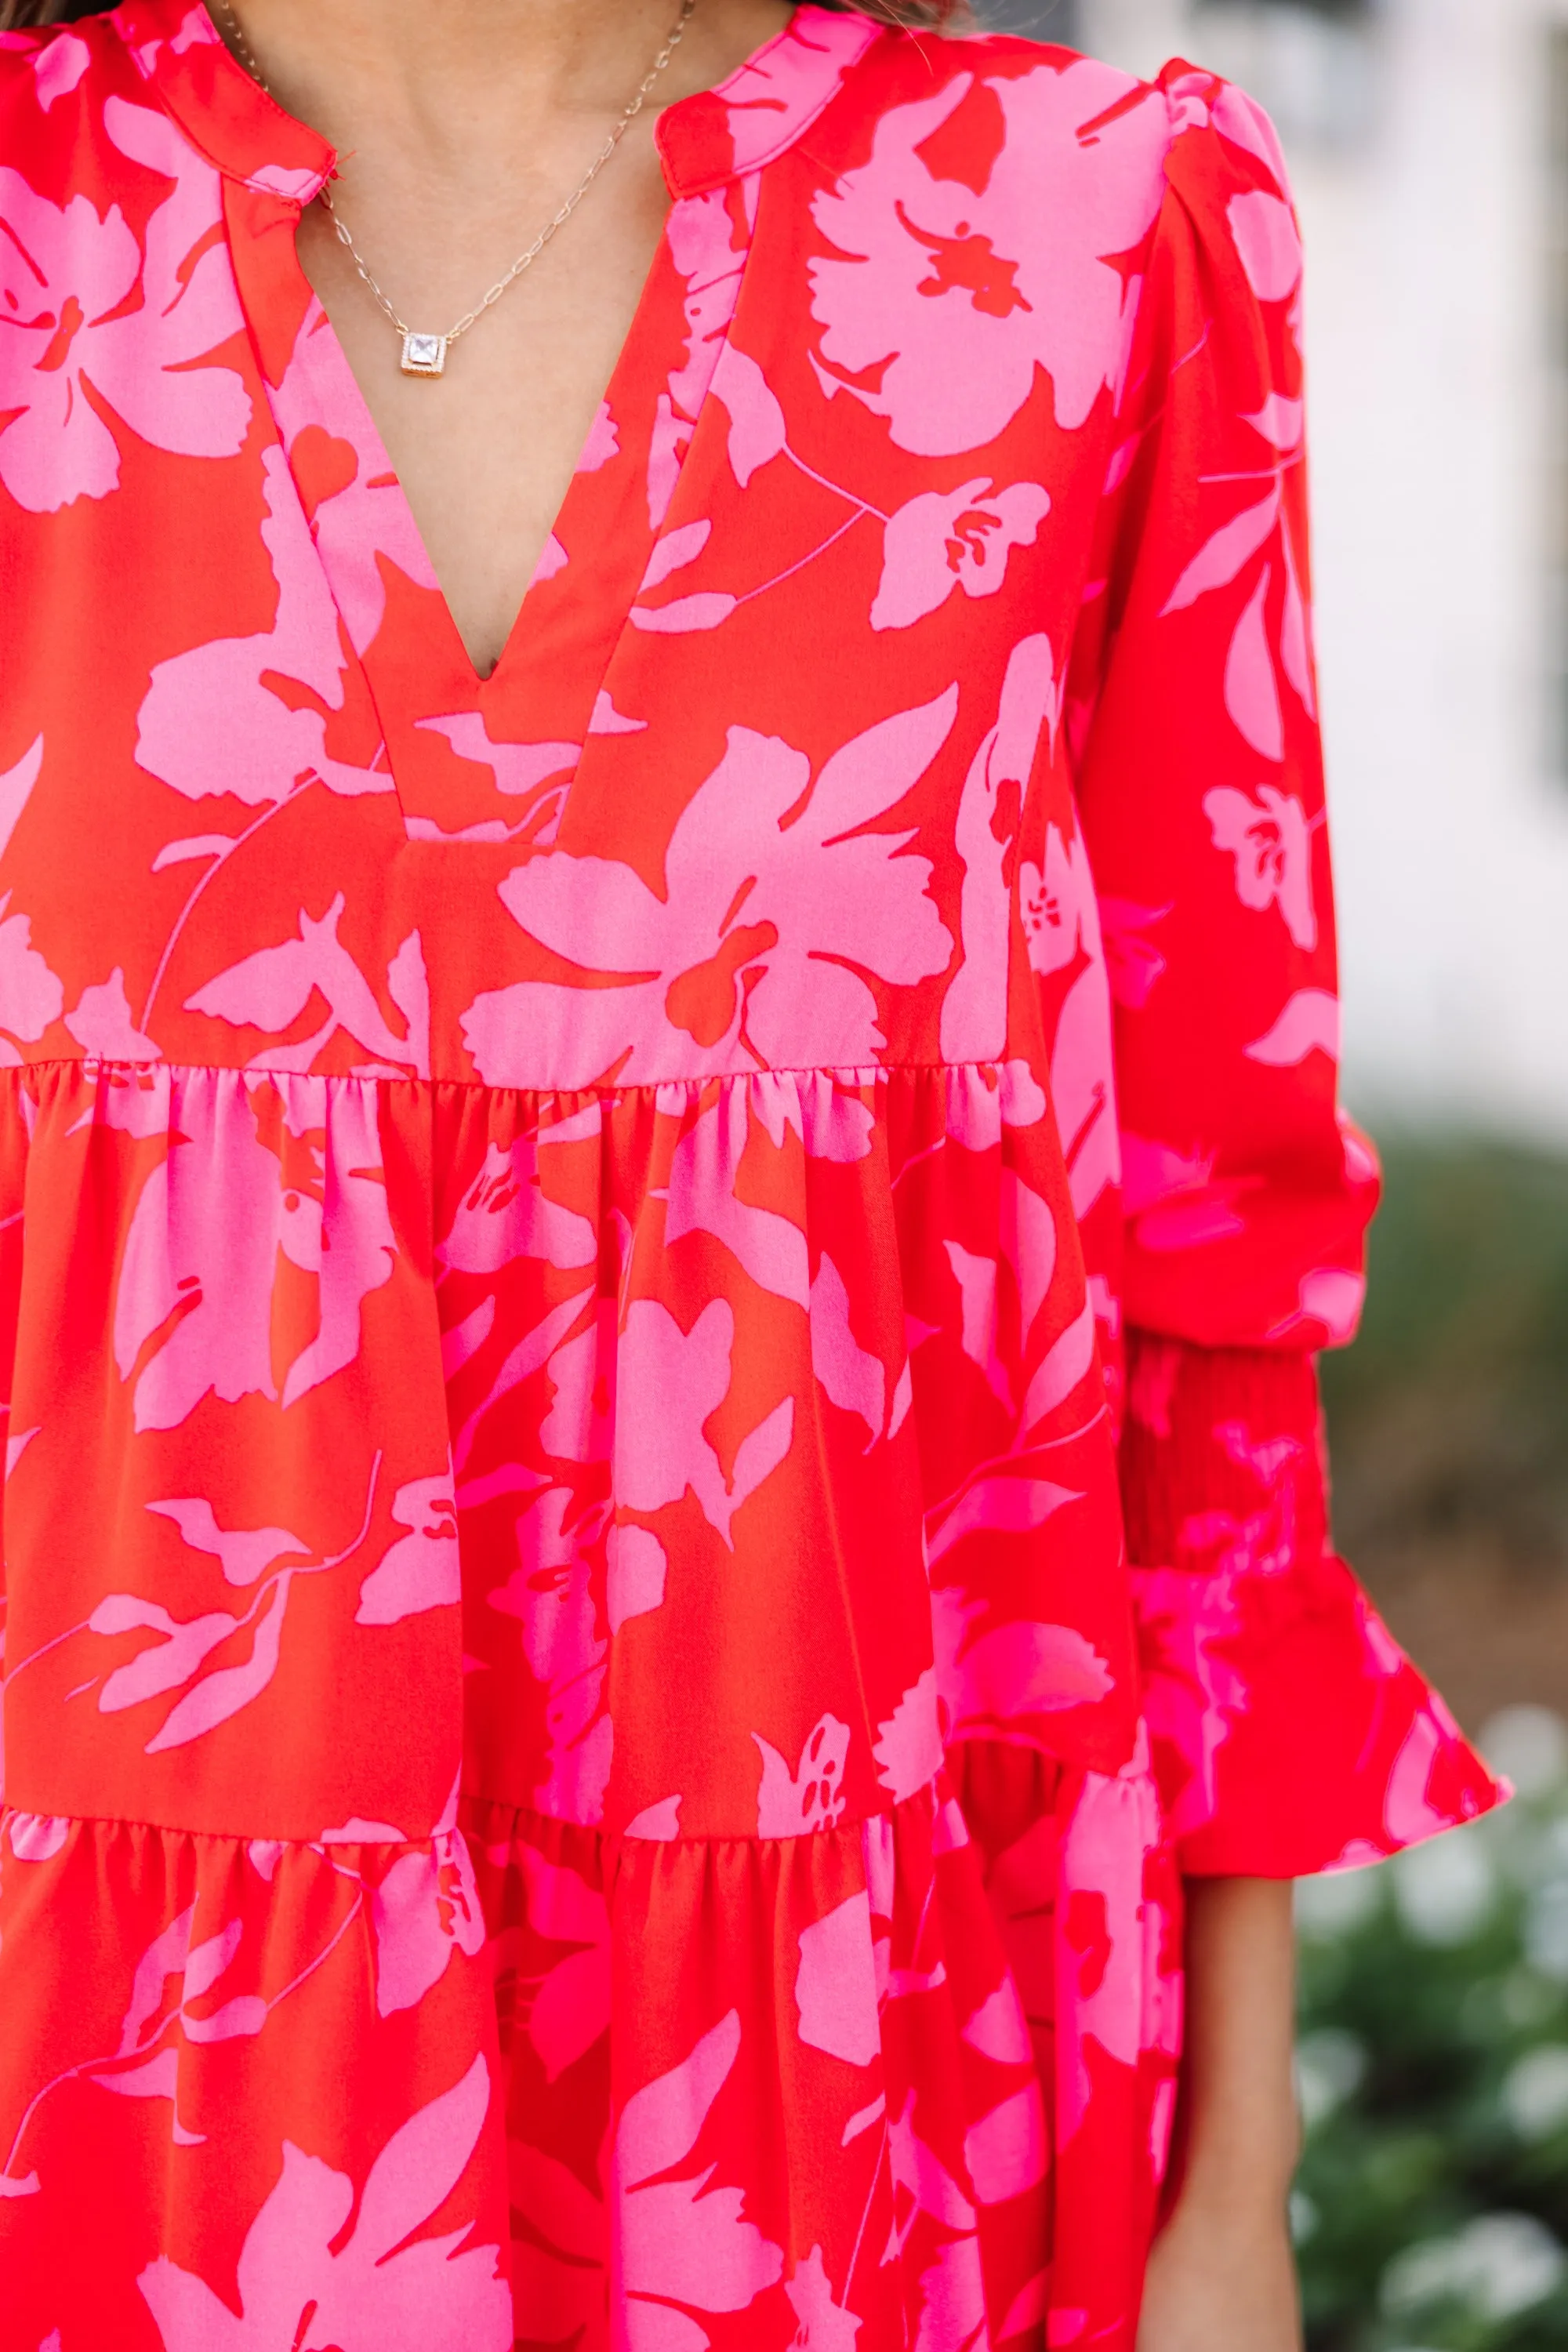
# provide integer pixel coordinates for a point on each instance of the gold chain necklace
(426, 355)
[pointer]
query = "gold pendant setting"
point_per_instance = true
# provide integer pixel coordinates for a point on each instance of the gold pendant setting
(424, 354)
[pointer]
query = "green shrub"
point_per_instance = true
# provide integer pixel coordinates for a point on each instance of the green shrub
(1432, 2207)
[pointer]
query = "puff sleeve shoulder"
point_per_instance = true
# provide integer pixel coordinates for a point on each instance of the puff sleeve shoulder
(1290, 1732)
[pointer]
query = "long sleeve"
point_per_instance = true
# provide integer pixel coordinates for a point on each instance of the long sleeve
(1288, 1731)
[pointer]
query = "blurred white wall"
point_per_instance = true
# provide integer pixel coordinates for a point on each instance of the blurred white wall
(1420, 148)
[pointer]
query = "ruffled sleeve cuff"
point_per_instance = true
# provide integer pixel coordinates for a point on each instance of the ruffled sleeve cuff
(1290, 1733)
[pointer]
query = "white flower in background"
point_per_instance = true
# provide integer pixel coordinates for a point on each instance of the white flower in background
(1495, 2268)
(1535, 2092)
(1445, 1891)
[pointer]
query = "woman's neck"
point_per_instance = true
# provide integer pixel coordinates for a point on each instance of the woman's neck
(462, 126)
(440, 85)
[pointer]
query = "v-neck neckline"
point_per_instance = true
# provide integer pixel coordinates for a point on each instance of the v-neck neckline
(456, 741)
(329, 389)
(468, 753)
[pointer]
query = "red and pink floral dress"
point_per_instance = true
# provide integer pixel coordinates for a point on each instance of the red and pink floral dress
(596, 1262)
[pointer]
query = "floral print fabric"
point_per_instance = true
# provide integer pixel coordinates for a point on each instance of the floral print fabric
(595, 1263)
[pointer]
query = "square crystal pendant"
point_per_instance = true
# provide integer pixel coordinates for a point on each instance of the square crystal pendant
(424, 354)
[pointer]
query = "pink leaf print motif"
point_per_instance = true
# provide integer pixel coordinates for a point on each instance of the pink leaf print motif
(1020, 1667)
(1226, 554)
(1175, 1199)
(835, 1983)
(683, 2241)
(550, 1592)
(570, 2005)
(774, 901)
(969, 293)
(702, 1199)
(662, 1453)
(1268, 242)
(824, 2325)
(210, 722)
(849, 1375)
(66, 278)
(271, 988)
(1309, 1023)
(682, 2246)
(1133, 963)
(56, 73)
(380, 2292)
(1061, 927)
(419, 1570)
(101, 1023)
(185, 1644)
(531, 773)
(30, 994)
(944, 540)
(1119, 2001)
(192, 1311)
(811, 1796)
(757, 430)
(1271, 841)
(16, 790)
(244, 1553)
(1251, 687)
(973, 1014)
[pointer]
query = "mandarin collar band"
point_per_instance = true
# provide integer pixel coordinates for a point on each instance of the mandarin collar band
(751, 119)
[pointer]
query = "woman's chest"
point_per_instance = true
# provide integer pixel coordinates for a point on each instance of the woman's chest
(743, 789)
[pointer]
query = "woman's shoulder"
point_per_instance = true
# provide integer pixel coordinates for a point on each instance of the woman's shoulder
(48, 73)
(996, 108)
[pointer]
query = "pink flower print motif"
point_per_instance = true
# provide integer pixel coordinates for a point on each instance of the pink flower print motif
(945, 539)
(682, 2247)
(1270, 839)
(73, 344)
(775, 901)
(812, 1797)
(31, 996)
(506, 1213)
(969, 293)
(386, 2290)
(425, 1911)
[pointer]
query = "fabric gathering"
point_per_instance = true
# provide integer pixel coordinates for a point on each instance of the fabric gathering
(658, 1312)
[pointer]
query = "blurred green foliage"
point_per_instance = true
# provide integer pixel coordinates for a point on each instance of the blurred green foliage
(1449, 1417)
(1432, 2209)
(1432, 2203)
